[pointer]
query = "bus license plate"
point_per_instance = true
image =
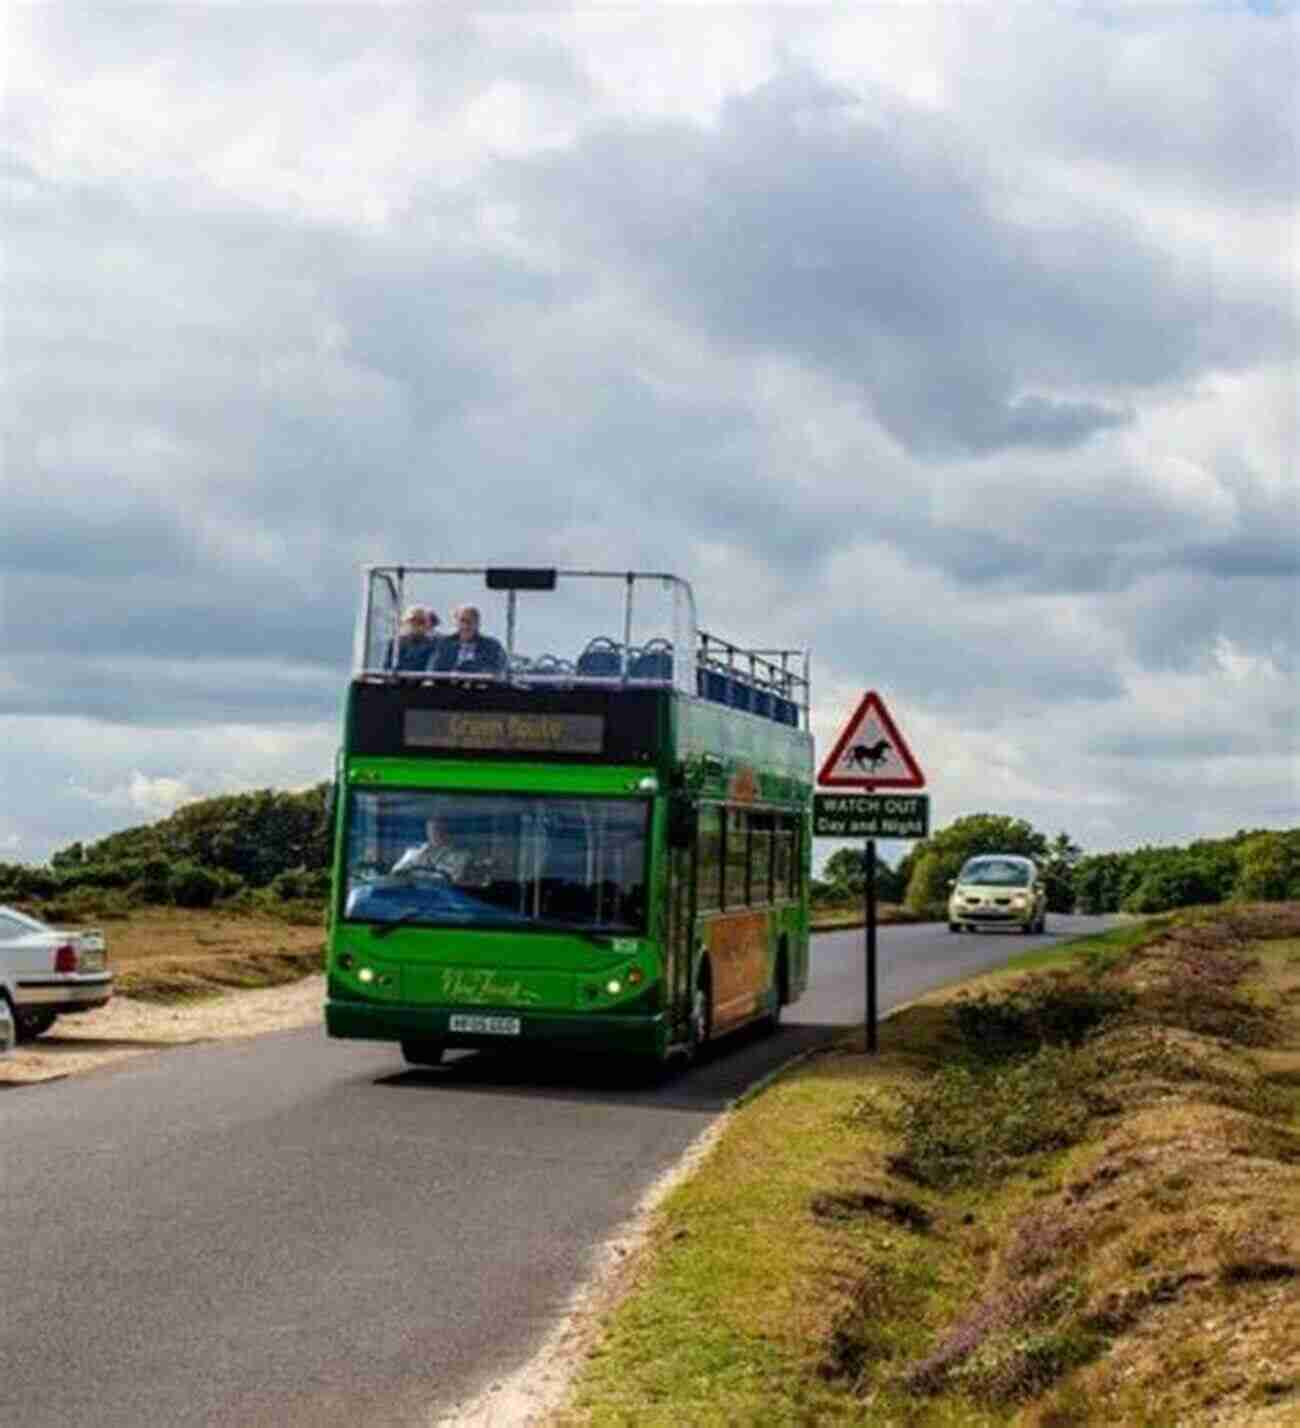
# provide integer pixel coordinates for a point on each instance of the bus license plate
(486, 1025)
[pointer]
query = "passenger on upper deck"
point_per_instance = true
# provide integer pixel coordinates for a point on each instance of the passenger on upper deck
(416, 642)
(471, 651)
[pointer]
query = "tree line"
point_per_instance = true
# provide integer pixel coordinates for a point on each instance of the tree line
(266, 845)
(1253, 866)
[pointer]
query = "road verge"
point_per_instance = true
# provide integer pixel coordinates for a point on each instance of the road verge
(1065, 1196)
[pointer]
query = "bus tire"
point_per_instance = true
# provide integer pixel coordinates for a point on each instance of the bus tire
(422, 1051)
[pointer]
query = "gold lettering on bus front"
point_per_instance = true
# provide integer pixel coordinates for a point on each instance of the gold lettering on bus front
(535, 729)
(475, 728)
(483, 989)
(510, 731)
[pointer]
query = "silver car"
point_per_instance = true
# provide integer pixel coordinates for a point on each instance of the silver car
(46, 972)
(7, 1033)
(998, 890)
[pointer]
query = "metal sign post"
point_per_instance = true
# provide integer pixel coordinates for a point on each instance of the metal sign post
(872, 1009)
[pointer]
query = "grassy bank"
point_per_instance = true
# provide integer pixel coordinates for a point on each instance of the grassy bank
(1065, 1196)
(174, 955)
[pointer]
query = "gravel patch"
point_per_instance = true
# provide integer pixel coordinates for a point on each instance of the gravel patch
(126, 1028)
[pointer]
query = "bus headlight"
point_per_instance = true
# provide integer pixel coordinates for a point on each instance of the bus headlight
(366, 974)
(613, 986)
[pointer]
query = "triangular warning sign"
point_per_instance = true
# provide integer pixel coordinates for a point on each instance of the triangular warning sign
(870, 752)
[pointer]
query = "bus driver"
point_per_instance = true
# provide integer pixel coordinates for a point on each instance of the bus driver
(437, 855)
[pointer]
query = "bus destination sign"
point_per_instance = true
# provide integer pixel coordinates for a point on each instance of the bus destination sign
(863, 815)
(480, 731)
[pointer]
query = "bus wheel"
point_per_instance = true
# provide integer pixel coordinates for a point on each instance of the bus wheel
(422, 1052)
(701, 1025)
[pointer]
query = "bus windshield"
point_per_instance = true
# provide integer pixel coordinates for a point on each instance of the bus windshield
(497, 861)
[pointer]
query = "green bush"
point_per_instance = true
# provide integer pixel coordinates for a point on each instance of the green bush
(1178, 882)
(1051, 1009)
(154, 883)
(192, 886)
(970, 1122)
(289, 886)
(1269, 868)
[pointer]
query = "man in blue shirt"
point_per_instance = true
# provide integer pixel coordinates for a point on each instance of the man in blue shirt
(469, 651)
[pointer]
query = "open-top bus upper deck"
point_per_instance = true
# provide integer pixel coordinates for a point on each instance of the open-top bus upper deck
(550, 629)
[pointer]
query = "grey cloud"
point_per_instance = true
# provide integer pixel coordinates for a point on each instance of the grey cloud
(950, 661)
(1203, 101)
(1177, 619)
(874, 247)
(166, 692)
(1275, 555)
(1179, 743)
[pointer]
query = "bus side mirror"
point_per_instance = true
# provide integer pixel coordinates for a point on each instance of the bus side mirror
(681, 823)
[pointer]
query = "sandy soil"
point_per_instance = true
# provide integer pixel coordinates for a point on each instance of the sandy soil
(131, 1028)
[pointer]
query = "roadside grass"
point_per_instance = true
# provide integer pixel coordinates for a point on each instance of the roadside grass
(163, 980)
(1089, 1218)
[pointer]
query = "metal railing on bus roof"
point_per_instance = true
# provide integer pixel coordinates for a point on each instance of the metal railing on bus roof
(772, 683)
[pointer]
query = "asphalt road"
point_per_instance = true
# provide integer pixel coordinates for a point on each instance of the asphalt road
(293, 1231)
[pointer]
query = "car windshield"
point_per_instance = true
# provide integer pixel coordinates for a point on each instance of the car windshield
(497, 861)
(996, 872)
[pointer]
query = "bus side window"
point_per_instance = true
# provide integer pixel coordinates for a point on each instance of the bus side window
(760, 857)
(783, 860)
(736, 887)
(709, 843)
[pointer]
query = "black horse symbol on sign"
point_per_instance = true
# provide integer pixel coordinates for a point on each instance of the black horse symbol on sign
(870, 756)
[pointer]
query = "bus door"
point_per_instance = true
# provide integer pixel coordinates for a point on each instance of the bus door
(677, 938)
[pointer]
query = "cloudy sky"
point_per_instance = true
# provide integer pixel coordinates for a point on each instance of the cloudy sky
(957, 342)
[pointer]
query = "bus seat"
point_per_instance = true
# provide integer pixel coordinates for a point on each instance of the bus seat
(742, 696)
(601, 657)
(762, 702)
(713, 685)
(655, 661)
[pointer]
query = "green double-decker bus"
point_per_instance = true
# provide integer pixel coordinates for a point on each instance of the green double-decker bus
(560, 837)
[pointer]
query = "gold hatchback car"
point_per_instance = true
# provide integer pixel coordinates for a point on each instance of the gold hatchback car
(998, 890)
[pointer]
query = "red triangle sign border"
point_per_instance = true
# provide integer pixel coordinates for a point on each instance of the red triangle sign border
(870, 702)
